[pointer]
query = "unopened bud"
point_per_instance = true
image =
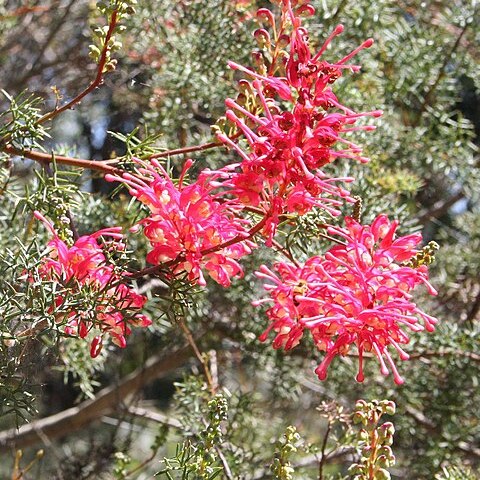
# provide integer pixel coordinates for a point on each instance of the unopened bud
(386, 430)
(306, 10)
(262, 37)
(390, 408)
(360, 405)
(283, 41)
(265, 16)
(382, 474)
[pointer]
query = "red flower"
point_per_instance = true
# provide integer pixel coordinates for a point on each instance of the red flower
(189, 224)
(357, 293)
(288, 149)
(83, 266)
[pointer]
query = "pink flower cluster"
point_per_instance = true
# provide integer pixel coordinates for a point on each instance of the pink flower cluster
(190, 227)
(281, 170)
(357, 293)
(82, 267)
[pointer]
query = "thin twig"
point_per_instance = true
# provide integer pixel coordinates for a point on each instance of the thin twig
(188, 335)
(324, 446)
(212, 355)
(284, 251)
(441, 73)
(154, 416)
(54, 30)
(473, 312)
(226, 467)
(24, 11)
(185, 150)
(97, 81)
(332, 239)
(339, 10)
(440, 208)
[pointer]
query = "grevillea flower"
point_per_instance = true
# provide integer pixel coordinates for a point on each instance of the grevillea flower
(190, 227)
(83, 269)
(287, 149)
(358, 293)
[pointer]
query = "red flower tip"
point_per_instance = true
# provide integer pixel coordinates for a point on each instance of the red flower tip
(368, 43)
(96, 346)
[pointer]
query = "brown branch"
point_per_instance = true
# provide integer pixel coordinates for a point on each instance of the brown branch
(473, 312)
(106, 400)
(284, 251)
(324, 446)
(154, 416)
(441, 73)
(99, 165)
(440, 208)
(54, 31)
(104, 166)
(191, 341)
(443, 353)
(467, 448)
(24, 11)
(338, 11)
(421, 419)
(185, 150)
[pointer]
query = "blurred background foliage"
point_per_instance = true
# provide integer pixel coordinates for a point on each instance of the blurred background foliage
(167, 91)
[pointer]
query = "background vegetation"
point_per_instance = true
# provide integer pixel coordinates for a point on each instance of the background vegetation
(145, 410)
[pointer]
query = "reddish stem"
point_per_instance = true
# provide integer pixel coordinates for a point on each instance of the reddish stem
(95, 83)
(100, 165)
(239, 238)
(195, 148)
(185, 150)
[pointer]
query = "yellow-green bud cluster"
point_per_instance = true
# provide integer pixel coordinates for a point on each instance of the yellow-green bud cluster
(281, 466)
(374, 440)
(425, 256)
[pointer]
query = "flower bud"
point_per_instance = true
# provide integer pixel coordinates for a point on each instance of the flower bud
(257, 58)
(363, 435)
(356, 468)
(283, 41)
(390, 408)
(265, 16)
(306, 10)
(386, 430)
(382, 474)
(360, 405)
(359, 417)
(262, 37)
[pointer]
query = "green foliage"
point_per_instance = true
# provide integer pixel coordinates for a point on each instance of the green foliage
(456, 473)
(173, 75)
(200, 459)
(281, 467)
(19, 122)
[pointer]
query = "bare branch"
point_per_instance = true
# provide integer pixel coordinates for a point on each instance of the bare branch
(106, 400)
(100, 165)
